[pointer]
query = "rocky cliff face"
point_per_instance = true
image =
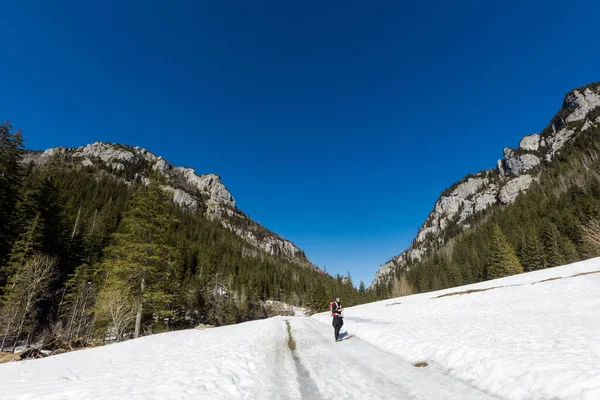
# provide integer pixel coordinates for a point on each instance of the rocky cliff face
(201, 192)
(514, 174)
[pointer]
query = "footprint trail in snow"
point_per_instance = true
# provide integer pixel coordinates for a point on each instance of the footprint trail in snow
(355, 369)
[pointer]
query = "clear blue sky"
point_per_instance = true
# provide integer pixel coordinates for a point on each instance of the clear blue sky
(336, 124)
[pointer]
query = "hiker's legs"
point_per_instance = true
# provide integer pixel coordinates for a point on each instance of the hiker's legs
(337, 326)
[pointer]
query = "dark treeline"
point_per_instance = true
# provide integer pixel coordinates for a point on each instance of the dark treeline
(87, 255)
(554, 223)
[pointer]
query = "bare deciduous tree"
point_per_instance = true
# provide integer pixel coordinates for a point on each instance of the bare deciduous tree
(81, 315)
(117, 305)
(78, 305)
(28, 286)
(591, 233)
(401, 287)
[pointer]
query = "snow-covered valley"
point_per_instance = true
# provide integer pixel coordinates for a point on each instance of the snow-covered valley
(529, 336)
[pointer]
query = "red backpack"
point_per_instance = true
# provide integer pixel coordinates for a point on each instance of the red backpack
(331, 307)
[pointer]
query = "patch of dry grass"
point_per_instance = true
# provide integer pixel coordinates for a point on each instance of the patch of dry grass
(497, 287)
(393, 304)
(549, 279)
(421, 364)
(585, 273)
(466, 292)
(8, 357)
(202, 327)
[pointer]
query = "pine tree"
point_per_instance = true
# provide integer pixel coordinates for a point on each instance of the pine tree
(350, 280)
(550, 240)
(361, 288)
(531, 254)
(28, 244)
(11, 152)
(318, 297)
(140, 253)
(568, 250)
(41, 197)
(503, 260)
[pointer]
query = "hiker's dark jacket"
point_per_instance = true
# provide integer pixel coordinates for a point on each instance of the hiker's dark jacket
(336, 311)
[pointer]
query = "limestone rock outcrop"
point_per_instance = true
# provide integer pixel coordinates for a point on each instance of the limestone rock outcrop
(514, 174)
(581, 102)
(519, 164)
(530, 143)
(513, 188)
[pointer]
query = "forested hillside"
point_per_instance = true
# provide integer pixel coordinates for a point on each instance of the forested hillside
(88, 254)
(549, 220)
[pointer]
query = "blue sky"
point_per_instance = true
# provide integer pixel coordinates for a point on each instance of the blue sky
(335, 124)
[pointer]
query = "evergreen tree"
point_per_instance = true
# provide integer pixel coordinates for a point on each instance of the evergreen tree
(140, 253)
(550, 240)
(318, 297)
(531, 254)
(502, 260)
(28, 244)
(361, 288)
(11, 152)
(349, 277)
(568, 250)
(42, 197)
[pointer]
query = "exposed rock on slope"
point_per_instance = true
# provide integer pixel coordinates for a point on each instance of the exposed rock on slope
(205, 193)
(514, 174)
(511, 190)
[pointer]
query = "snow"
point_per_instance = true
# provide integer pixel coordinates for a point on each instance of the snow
(300, 311)
(246, 361)
(354, 369)
(525, 339)
(528, 336)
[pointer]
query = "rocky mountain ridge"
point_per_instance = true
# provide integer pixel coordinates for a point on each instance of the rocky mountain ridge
(202, 192)
(514, 174)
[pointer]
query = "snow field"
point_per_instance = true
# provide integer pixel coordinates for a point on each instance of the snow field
(354, 369)
(245, 361)
(526, 339)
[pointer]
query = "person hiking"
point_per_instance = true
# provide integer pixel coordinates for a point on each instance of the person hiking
(337, 313)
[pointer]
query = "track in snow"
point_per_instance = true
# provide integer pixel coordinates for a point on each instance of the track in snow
(355, 369)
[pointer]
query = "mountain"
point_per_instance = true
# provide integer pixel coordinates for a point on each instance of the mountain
(190, 190)
(107, 241)
(468, 203)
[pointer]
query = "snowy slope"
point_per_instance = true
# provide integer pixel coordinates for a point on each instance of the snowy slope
(246, 361)
(531, 337)
(526, 337)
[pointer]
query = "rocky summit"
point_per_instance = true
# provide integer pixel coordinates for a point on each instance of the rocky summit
(197, 192)
(514, 174)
